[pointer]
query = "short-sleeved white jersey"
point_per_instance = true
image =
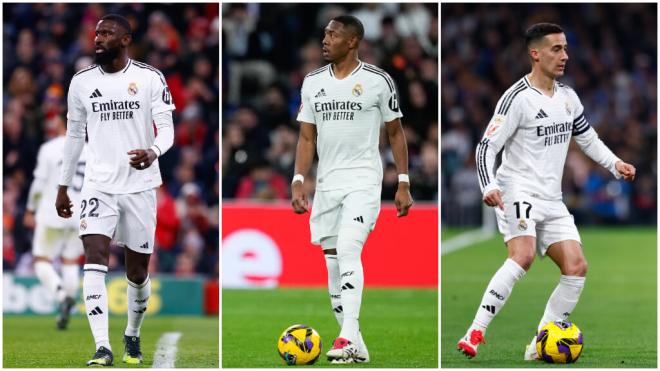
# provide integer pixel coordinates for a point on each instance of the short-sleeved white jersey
(118, 109)
(43, 190)
(348, 115)
(535, 131)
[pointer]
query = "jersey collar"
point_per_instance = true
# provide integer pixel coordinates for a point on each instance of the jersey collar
(359, 66)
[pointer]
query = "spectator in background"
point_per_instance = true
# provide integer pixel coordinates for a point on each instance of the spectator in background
(45, 44)
(269, 48)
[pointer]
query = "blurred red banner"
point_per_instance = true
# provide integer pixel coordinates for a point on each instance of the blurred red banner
(269, 246)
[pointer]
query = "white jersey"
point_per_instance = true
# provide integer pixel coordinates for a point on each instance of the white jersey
(535, 131)
(43, 190)
(348, 114)
(118, 110)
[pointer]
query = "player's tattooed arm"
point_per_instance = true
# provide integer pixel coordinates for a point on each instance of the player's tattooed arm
(402, 199)
(304, 157)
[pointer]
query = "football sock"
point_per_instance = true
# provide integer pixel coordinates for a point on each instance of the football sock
(334, 287)
(562, 301)
(70, 279)
(49, 278)
(349, 249)
(138, 298)
(96, 302)
(497, 292)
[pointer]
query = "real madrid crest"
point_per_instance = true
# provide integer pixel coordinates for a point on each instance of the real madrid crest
(83, 225)
(357, 90)
(132, 88)
(522, 225)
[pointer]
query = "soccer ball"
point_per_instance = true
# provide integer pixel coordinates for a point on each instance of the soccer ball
(559, 342)
(299, 345)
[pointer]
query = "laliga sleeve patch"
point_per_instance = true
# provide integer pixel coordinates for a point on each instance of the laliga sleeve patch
(494, 126)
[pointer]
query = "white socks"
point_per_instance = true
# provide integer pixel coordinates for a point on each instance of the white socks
(96, 302)
(49, 278)
(334, 287)
(138, 298)
(349, 249)
(563, 300)
(71, 279)
(497, 292)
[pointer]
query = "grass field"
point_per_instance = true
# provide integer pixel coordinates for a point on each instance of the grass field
(33, 342)
(399, 326)
(616, 313)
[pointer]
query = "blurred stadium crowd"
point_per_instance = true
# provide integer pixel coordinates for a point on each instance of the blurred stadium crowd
(612, 66)
(45, 44)
(267, 51)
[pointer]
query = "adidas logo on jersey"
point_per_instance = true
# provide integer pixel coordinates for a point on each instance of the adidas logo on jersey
(541, 115)
(96, 94)
(320, 94)
(359, 219)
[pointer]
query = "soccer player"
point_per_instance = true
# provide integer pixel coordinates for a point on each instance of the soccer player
(53, 236)
(116, 101)
(343, 107)
(534, 122)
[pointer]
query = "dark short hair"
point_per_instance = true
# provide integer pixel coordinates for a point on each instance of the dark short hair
(120, 20)
(352, 22)
(539, 30)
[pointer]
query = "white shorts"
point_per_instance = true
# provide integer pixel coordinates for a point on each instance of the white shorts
(129, 219)
(50, 242)
(548, 221)
(333, 209)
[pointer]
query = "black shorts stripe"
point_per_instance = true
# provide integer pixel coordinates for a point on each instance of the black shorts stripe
(381, 74)
(506, 103)
(506, 96)
(93, 66)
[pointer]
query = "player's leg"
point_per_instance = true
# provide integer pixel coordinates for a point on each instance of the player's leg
(138, 292)
(136, 231)
(570, 259)
(359, 212)
(334, 289)
(95, 293)
(70, 276)
(44, 250)
(521, 255)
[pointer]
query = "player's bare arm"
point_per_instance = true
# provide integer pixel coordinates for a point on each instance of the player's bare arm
(403, 199)
(142, 158)
(626, 170)
(304, 157)
(63, 203)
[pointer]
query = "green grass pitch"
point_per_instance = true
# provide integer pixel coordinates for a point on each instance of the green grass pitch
(400, 326)
(616, 313)
(33, 341)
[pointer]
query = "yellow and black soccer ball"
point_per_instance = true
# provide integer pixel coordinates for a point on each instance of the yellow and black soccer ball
(559, 342)
(299, 345)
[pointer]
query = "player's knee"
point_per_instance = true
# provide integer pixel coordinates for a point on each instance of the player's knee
(350, 242)
(137, 276)
(94, 255)
(578, 267)
(524, 259)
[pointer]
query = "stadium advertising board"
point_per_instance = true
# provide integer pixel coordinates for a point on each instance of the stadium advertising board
(266, 246)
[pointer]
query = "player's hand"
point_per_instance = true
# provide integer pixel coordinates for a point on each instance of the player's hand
(494, 198)
(63, 203)
(28, 219)
(402, 199)
(626, 170)
(142, 158)
(299, 200)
